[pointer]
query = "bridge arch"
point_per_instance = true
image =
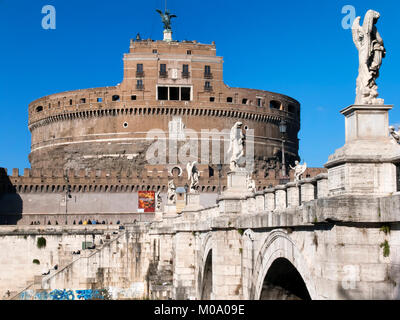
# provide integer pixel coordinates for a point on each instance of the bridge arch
(279, 258)
(204, 289)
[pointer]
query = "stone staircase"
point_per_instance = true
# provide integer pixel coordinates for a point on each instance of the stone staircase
(39, 282)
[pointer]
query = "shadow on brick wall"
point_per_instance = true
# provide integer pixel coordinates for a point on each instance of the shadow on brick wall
(11, 206)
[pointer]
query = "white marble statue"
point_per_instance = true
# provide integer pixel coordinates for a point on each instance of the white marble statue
(193, 176)
(371, 52)
(251, 184)
(171, 192)
(395, 134)
(236, 146)
(298, 170)
(158, 201)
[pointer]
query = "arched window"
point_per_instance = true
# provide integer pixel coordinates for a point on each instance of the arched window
(39, 109)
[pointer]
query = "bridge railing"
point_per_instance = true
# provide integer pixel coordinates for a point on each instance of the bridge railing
(292, 195)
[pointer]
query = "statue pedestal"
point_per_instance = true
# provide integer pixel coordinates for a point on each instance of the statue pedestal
(192, 202)
(168, 35)
(237, 181)
(170, 211)
(364, 165)
(158, 216)
(237, 189)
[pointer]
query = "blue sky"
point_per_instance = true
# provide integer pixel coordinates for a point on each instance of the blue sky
(298, 48)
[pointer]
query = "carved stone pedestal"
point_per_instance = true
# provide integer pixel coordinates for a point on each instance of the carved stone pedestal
(364, 165)
(193, 202)
(237, 181)
(168, 35)
(170, 211)
(230, 200)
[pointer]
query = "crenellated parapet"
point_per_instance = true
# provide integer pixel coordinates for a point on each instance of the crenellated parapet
(122, 181)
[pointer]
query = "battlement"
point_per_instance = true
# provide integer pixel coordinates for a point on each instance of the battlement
(55, 180)
(175, 47)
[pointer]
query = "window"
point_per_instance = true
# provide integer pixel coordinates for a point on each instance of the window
(39, 109)
(139, 68)
(291, 108)
(275, 105)
(174, 93)
(163, 70)
(139, 85)
(99, 99)
(83, 100)
(185, 71)
(185, 93)
(207, 69)
(229, 99)
(115, 98)
(162, 93)
(133, 97)
(189, 52)
(70, 102)
(207, 86)
(212, 99)
(259, 102)
(244, 101)
(155, 51)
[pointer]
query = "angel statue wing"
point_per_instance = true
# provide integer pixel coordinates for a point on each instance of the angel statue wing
(304, 168)
(189, 168)
(358, 32)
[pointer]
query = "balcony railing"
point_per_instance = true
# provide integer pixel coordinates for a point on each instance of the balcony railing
(185, 75)
(163, 74)
(139, 87)
(139, 74)
(208, 88)
(208, 75)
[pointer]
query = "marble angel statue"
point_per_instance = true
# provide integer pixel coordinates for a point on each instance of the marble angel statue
(236, 146)
(171, 192)
(371, 52)
(193, 175)
(298, 170)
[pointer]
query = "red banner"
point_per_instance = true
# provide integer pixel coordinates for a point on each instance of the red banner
(147, 201)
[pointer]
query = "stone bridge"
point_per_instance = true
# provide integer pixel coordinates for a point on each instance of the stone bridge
(335, 236)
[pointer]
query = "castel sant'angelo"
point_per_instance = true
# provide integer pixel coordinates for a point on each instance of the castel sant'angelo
(92, 143)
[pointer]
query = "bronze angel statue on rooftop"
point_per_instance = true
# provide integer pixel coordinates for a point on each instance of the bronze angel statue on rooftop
(371, 52)
(166, 18)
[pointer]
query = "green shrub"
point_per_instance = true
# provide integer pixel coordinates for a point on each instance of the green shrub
(36, 261)
(385, 229)
(386, 248)
(41, 243)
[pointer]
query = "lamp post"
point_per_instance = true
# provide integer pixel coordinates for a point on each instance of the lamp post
(219, 168)
(283, 129)
(67, 196)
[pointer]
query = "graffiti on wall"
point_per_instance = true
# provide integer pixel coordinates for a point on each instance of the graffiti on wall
(65, 295)
(136, 291)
